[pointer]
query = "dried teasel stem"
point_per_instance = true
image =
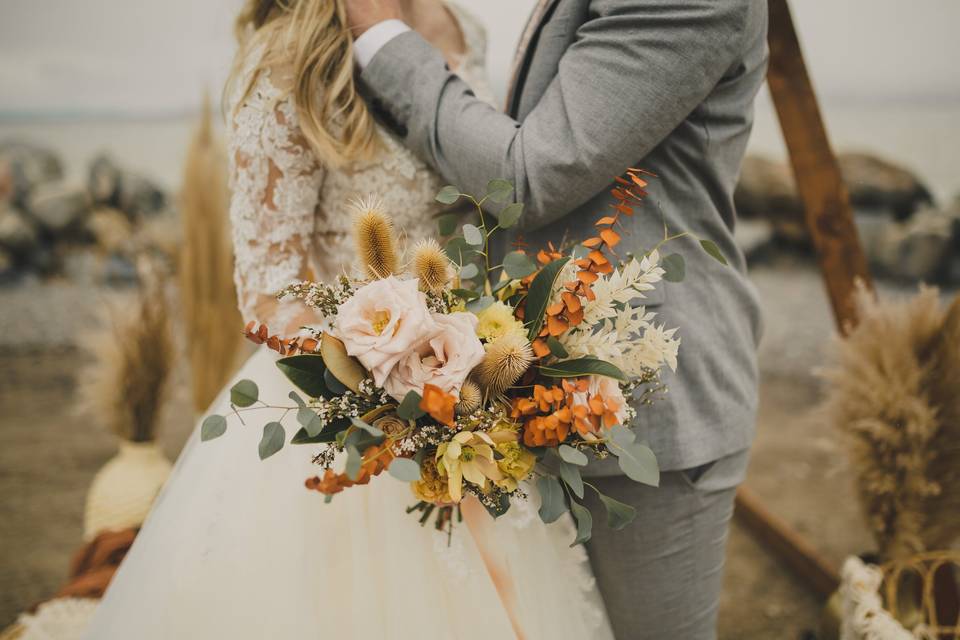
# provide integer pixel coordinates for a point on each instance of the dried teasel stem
(506, 361)
(431, 266)
(374, 238)
(471, 397)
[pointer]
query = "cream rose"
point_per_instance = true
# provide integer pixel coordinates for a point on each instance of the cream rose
(445, 360)
(383, 322)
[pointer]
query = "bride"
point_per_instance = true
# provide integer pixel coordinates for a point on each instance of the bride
(236, 547)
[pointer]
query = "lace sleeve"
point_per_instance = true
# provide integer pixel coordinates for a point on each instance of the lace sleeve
(276, 181)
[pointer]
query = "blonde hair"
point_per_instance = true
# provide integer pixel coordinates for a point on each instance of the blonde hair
(312, 38)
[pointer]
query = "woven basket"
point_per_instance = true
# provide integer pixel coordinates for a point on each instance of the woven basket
(899, 600)
(123, 491)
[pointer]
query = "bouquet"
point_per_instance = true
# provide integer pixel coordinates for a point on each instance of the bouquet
(465, 378)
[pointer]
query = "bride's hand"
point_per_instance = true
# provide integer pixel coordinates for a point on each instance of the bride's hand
(363, 14)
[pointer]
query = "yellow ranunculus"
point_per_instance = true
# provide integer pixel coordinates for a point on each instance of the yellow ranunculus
(517, 463)
(431, 487)
(497, 321)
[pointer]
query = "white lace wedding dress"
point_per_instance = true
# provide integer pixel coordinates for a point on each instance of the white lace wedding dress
(238, 548)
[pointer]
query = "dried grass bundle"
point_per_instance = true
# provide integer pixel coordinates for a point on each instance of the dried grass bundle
(208, 299)
(887, 393)
(127, 382)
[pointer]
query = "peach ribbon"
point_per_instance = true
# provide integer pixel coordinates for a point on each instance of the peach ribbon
(480, 525)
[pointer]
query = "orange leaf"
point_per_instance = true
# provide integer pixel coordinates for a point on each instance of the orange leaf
(555, 309)
(592, 243)
(611, 237)
(597, 257)
(605, 220)
(583, 263)
(540, 348)
(556, 326)
(572, 301)
(575, 317)
(640, 182)
(587, 277)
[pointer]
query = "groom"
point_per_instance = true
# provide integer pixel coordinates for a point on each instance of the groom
(600, 86)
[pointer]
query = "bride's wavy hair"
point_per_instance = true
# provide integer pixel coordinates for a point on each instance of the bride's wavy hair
(312, 38)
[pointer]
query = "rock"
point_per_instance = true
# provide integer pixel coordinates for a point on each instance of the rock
(767, 190)
(110, 229)
(916, 249)
(878, 185)
(138, 196)
(58, 206)
(752, 236)
(103, 181)
(17, 235)
(8, 266)
(29, 166)
(119, 270)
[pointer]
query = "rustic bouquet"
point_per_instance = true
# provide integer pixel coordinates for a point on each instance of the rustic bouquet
(465, 378)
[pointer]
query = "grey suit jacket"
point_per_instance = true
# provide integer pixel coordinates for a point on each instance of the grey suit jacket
(666, 85)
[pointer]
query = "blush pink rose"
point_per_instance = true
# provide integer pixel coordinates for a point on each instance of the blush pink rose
(445, 360)
(383, 322)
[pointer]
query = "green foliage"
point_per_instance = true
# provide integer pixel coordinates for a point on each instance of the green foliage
(502, 506)
(556, 348)
(333, 385)
(293, 395)
(570, 474)
(212, 427)
(674, 267)
(539, 295)
(409, 408)
(372, 430)
(510, 215)
(518, 265)
(469, 271)
(713, 251)
(472, 235)
(244, 393)
(448, 195)
(272, 440)
(404, 469)
(478, 305)
(582, 367)
(465, 294)
(354, 462)
(306, 371)
(553, 503)
(619, 514)
(447, 224)
(584, 523)
(328, 433)
(310, 421)
(571, 455)
(499, 190)
(459, 251)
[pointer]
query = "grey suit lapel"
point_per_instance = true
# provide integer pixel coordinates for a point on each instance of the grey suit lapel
(538, 18)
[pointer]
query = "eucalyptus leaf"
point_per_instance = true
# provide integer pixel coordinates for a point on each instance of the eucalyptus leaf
(306, 372)
(244, 393)
(331, 432)
(571, 455)
(212, 427)
(674, 268)
(465, 294)
(447, 224)
(473, 235)
(556, 348)
(404, 469)
(372, 430)
(619, 514)
(553, 503)
(582, 367)
(584, 523)
(499, 190)
(539, 295)
(409, 408)
(518, 265)
(272, 440)
(293, 395)
(570, 474)
(476, 306)
(638, 462)
(469, 271)
(510, 215)
(335, 386)
(448, 195)
(310, 421)
(459, 251)
(713, 251)
(621, 435)
(354, 462)
(579, 251)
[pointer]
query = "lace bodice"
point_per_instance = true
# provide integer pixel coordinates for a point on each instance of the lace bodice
(290, 215)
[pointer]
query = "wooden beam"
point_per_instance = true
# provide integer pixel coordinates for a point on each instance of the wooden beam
(819, 181)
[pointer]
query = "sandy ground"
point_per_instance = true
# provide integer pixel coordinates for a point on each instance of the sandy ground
(48, 454)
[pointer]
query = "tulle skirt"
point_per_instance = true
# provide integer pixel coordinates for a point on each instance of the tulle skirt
(236, 547)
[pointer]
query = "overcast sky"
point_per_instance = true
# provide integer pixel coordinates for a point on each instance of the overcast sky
(131, 56)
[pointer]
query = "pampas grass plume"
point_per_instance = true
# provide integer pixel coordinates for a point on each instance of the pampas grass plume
(374, 238)
(507, 359)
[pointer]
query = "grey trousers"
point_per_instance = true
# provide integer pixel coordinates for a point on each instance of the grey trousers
(660, 576)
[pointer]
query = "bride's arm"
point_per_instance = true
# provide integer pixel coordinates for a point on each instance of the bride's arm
(636, 71)
(276, 181)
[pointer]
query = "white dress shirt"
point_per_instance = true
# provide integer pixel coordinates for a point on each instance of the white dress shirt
(373, 39)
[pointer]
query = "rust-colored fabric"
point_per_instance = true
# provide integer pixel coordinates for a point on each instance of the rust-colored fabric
(94, 564)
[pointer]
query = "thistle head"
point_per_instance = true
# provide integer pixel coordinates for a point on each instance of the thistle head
(471, 397)
(431, 266)
(507, 359)
(374, 238)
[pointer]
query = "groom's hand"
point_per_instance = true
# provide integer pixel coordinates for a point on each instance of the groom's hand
(363, 14)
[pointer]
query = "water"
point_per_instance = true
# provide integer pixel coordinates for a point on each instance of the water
(924, 137)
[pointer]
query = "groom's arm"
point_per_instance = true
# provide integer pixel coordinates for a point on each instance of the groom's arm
(636, 71)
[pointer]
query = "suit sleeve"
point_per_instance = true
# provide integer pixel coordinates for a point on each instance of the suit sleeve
(637, 69)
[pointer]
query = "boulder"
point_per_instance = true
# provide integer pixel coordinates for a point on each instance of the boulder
(103, 181)
(110, 229)
(8, 266)
(767, 190)
(916, 249)
(17, 235)
(138, 196)
(58, 206)
(29, 166)
(875, 184)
